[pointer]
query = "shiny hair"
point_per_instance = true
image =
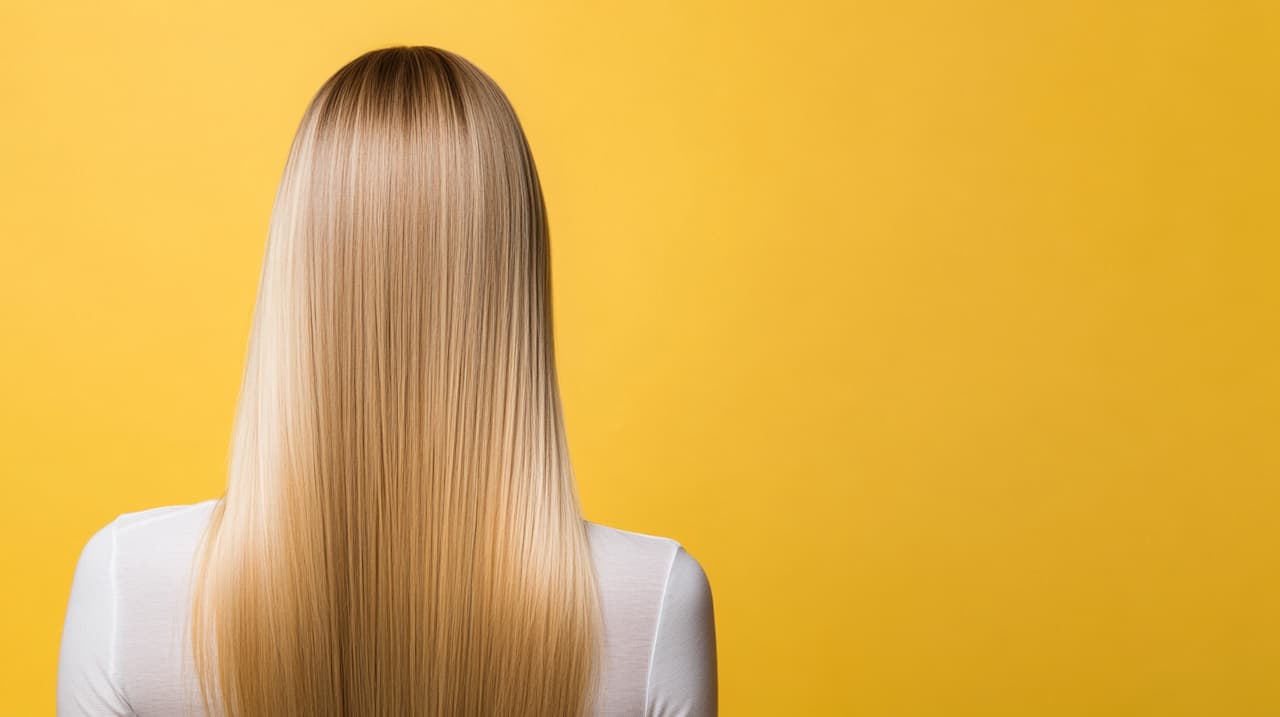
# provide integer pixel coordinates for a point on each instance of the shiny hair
(401, 533)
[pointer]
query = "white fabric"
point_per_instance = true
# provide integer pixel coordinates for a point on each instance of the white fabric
(122, 641)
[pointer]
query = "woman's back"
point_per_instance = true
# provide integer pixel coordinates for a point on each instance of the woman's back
(401, 532)
(124, 648)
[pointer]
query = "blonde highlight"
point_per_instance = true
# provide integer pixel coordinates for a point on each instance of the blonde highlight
(401, 532)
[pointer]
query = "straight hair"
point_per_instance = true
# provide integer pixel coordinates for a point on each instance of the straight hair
(401, 532)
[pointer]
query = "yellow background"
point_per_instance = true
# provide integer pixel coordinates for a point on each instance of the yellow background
(944, 334)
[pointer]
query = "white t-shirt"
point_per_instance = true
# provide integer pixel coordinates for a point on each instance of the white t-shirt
(122, 642)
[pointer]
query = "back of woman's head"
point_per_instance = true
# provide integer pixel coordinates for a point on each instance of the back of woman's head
(401, 532)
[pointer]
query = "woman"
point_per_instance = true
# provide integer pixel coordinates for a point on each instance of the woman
(401, 533)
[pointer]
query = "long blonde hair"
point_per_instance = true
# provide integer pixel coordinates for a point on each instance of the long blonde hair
(401, 533)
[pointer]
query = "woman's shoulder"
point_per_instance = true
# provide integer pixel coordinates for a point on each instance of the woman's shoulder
(126, 609)
(632, 556)
(145, 555)
(166, 515)
(159, 528)
(157, 536)
(657, 609)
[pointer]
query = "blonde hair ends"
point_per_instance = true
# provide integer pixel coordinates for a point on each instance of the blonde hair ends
(401, 533)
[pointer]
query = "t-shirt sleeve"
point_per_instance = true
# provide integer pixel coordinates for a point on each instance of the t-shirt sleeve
(87, 683)
(682, 674)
